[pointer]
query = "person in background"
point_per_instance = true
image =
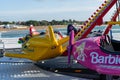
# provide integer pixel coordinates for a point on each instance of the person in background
(33, 31)
(58, 35)
(70, 27)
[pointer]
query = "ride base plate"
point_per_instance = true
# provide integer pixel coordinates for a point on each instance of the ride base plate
(60, 65)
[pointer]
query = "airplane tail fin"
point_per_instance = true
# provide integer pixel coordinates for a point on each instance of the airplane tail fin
(52, 36)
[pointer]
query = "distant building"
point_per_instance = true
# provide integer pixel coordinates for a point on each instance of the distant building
(12, 26)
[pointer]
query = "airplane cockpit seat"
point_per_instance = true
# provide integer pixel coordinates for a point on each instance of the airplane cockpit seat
(116, 45)
(105, 43)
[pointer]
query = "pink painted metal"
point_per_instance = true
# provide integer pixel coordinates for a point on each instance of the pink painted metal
(89, 54)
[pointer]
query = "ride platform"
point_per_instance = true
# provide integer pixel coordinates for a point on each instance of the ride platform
(22, 69)
(60, 65)
(54, 69)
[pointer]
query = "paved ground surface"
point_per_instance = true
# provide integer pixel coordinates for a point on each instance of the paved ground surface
(21, 69)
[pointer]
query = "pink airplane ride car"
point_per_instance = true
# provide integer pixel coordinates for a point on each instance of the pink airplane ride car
(100, 53)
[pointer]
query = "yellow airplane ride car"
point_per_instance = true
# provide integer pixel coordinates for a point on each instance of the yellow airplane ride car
(36, 47)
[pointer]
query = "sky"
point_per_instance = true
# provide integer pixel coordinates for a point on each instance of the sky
(23, 10)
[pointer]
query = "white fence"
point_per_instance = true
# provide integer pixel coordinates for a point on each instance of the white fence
(9, 43)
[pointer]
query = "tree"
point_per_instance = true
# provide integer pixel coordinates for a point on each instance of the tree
(32, 22)
(44, 22)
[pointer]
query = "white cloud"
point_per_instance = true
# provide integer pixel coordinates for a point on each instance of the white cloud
(48, 11)
(46, 8)
(100, 0)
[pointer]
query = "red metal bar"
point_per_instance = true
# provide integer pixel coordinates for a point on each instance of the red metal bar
(99, 17)
(113, 19)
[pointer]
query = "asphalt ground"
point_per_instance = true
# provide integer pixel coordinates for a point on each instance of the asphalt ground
(22, 69)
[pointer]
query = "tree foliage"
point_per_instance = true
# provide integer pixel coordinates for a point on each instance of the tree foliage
(44, 22)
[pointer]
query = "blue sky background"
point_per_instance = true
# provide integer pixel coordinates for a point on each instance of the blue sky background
(22, 10)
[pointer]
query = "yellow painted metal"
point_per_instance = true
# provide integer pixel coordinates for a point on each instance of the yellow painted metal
(113, 22)
(41, 48)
